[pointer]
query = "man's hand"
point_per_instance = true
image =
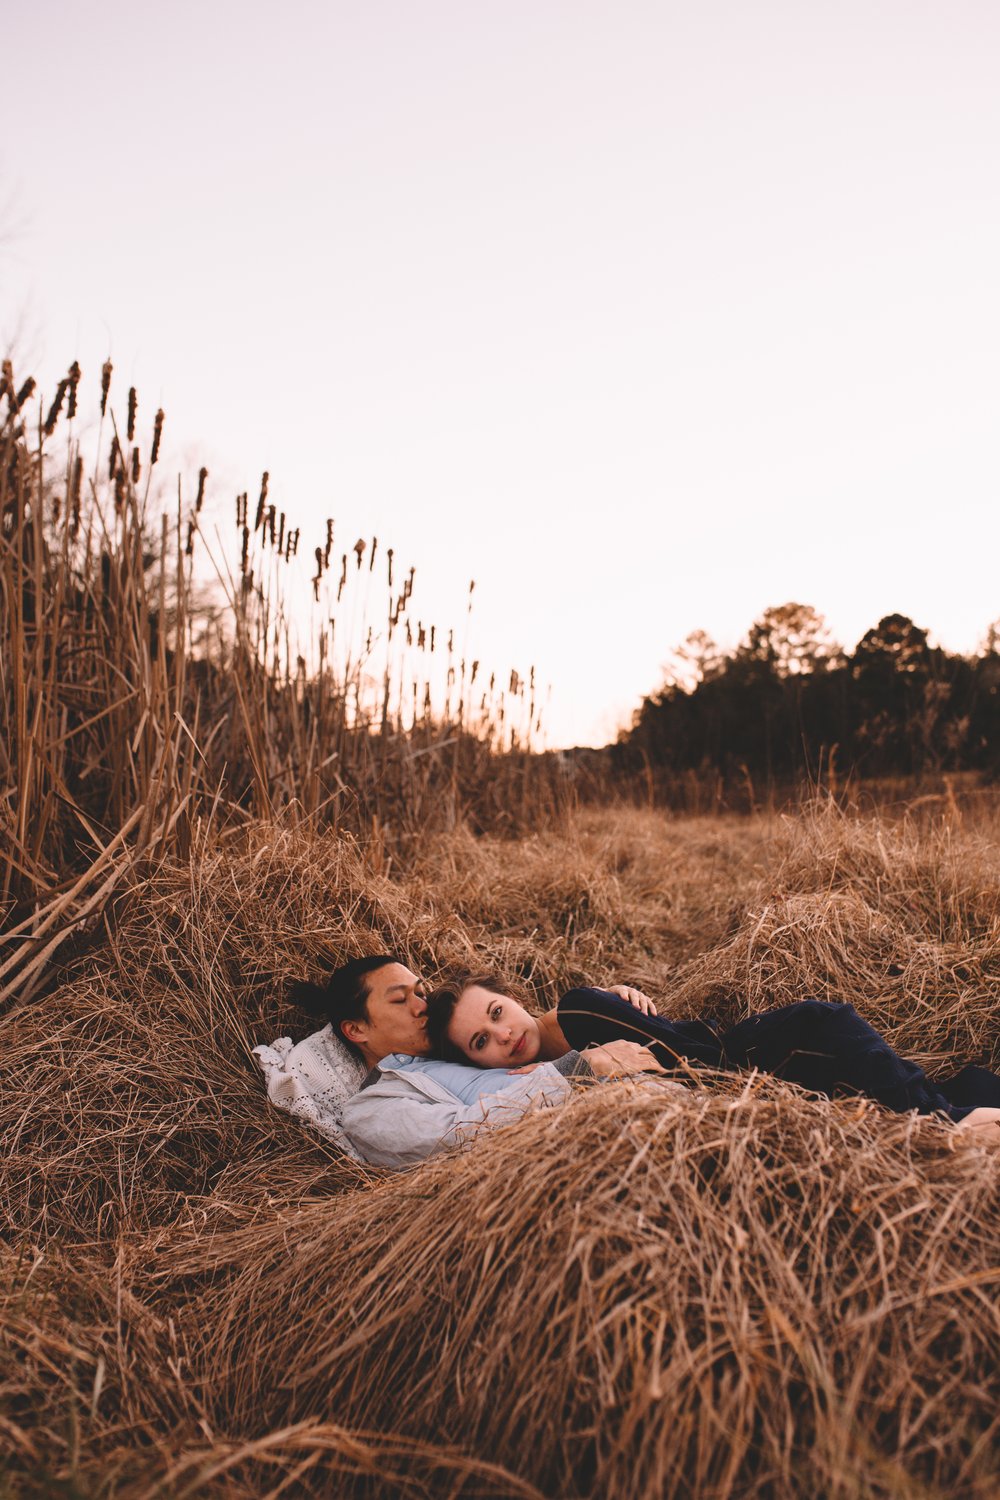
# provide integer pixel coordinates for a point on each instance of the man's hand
(634, 997)
(617, 1059)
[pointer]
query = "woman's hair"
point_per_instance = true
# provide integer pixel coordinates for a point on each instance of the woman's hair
(344, 996)
(441, 1007)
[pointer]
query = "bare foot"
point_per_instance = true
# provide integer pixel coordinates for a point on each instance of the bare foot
(981, 1127)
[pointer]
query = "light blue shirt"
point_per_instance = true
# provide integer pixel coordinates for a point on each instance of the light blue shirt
(466, 1083)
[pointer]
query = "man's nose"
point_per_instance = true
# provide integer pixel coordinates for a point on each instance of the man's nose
(419, 1005)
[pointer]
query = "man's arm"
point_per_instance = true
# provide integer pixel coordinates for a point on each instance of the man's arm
(393, 1124)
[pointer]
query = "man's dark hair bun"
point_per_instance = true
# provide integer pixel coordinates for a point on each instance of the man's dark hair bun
(344, 996)
(310, 997)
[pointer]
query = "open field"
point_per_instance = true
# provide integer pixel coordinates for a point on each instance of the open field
(750, 1292)
(745, 1291)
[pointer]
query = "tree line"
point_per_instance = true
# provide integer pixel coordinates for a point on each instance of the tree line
(790, 703)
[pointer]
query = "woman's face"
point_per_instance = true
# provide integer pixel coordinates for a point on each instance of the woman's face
(493, 1030)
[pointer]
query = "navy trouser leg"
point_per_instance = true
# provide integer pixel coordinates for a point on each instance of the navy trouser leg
(823, 1047)
(827, 1049)
(589, 1017)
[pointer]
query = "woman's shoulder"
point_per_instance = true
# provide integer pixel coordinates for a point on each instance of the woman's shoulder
(554, 1043)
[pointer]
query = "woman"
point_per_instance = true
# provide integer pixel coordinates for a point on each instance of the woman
(823, 1047)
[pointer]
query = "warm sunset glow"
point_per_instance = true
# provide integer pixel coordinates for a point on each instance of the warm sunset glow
(646, 317)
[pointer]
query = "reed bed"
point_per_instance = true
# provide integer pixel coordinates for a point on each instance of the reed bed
(741, 1291)
(149, 676)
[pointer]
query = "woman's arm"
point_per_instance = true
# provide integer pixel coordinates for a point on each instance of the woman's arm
(553, 1038)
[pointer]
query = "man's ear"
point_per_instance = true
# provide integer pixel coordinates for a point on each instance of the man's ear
(354, 1031)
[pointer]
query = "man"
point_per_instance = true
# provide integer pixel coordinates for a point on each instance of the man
(401, 1115)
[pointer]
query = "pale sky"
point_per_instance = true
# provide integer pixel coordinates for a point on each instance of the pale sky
(645, 316)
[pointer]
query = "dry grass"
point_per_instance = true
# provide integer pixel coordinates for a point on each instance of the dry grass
(901, 917)
(747, 1292)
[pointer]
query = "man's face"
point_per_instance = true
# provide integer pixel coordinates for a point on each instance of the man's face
(397, 1015)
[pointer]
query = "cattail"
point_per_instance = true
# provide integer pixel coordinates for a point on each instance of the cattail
(135, 466)
(241, 507)
(74, 381)
(371, 558)
(514, 681)
(475, 671)
(359, 548)
(409, 634)
(106, 369)
(421, 636)
(113, 459)
(389, 557)
(281, 532)
(320, 562)
(199, 499)
(54, 409)
(7, 380)
(245, 552)
(329, 541)
(293, 544)
(433, 632)
(368, 642)
(24, 394)
(269, 523)
(262, 501)
(157, 435)
(56, 509)
(343, 575)
(74, 495)
(133, 402)
(189, 545)
(119, 490)
(451, 641)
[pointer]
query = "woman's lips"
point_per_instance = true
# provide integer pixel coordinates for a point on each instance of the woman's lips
(518, 1046)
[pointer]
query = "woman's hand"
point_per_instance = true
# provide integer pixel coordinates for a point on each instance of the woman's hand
(617, 1059)
(634, 997)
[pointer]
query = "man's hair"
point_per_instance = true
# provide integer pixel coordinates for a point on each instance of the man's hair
(441, 1007)
(344, 996)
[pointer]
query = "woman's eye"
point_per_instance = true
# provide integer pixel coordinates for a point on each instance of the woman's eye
(479, 1043)
(495, 1013)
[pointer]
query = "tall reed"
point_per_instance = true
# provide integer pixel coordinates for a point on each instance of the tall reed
(134, 699)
